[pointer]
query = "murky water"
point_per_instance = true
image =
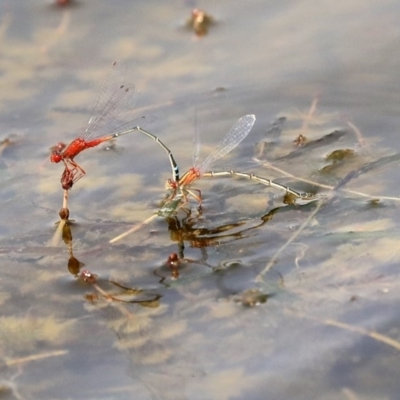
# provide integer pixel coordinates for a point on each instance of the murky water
(140, 326)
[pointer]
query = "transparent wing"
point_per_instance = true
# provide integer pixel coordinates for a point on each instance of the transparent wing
(235, 135)
(196, 142)
(114, 107)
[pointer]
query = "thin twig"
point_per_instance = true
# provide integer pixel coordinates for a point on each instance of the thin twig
(311, 112)
(65, 199)
(328, 187)
(133, 229)
(35, 357)
(362, 331)
(320, 203)
(358, 133)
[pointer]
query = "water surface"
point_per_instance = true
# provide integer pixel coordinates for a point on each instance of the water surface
(326, 327)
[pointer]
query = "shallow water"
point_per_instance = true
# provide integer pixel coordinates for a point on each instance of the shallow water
(326, 327)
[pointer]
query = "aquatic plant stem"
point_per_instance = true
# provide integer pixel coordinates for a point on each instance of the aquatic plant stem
(328, 187)
(362, 331)
(133, 229)
(321, 202)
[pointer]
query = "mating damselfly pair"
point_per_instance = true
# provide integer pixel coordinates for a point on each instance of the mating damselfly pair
(111, 117)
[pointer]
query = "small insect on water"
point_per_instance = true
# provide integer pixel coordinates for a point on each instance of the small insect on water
(200, 22)
(111, 117)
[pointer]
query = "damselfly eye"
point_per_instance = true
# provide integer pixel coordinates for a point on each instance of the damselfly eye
(56, 150)
(55, 157)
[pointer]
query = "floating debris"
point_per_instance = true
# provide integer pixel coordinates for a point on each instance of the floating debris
(252, 297)
(200, 22)
(300, 140)
(339, 155)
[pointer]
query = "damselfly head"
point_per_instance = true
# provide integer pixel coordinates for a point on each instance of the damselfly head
(56, 150)
(171, 184)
